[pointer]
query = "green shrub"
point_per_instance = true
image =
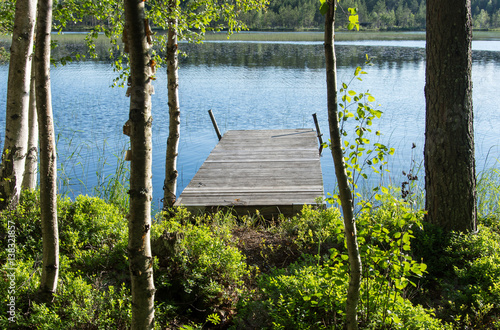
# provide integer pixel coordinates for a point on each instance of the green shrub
(93, 240)
(24, 221)
(198, 266)
(464, 275)
(306, 295)
(311, 294)
(316, 227)
(474, 263)
(94, 234)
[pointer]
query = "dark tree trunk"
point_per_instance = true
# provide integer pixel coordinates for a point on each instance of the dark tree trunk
(141, 188)
(48, 165)
(340, 171)
(450, 181)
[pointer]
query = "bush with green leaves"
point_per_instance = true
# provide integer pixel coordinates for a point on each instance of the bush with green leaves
(199, 268)
(311, 294)
(24, 221)
(464, 275)
(313, 227)
(94, 234)
(305, 295)
(81, 302)
(93, 267)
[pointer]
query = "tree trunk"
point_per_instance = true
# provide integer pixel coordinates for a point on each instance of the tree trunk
(450, 181)
(170, 184)
(31, 166)
(48, 165)
(340, 172)
(141, 188)
(16, 121)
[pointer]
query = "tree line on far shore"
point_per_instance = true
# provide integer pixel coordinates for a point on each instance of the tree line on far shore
(373, 14)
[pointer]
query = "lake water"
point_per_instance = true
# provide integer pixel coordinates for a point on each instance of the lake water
(257, 85)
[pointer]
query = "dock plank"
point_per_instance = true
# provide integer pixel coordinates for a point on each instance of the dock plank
(274, 171)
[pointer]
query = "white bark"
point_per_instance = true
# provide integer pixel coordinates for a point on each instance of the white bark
(141, 188)
(31, 166)
(170, 184)
(48, 165)
(16, 123)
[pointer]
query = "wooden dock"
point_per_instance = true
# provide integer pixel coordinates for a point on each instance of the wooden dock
(273, 171)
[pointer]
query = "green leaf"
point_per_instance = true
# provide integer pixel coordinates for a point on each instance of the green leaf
(324, 8)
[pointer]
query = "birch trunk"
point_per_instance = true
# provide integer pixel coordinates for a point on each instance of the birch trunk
(141, 189)
(340, 172)
(170, 184)
(31, 166)
(16, 121)
(48, 165)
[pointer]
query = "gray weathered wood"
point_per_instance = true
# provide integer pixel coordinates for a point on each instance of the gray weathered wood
(274, 171)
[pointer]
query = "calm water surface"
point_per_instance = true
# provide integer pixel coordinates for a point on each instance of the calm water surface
(256, 85)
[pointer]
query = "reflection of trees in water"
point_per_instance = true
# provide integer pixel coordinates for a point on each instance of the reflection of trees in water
(292, 55)
(284, 55)
(311, 56)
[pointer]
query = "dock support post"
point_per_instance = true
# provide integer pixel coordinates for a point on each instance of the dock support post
(319, 133)
(219, 136)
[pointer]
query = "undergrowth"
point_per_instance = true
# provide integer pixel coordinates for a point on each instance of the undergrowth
(414, 275)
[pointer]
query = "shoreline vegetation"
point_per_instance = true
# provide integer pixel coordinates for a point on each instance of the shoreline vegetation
(218, 271)
(280, 36)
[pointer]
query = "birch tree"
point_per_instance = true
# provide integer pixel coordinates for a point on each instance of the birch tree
(141, 188)
(48, 165)
(31, 166)
(328, 8)
(170, 184)
(16, 120)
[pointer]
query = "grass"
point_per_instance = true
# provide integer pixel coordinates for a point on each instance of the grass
(488, 192)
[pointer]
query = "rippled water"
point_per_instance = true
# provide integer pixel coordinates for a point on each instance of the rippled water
(257, 86)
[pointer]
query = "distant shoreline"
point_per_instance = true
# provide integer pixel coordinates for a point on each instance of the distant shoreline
(299, 36)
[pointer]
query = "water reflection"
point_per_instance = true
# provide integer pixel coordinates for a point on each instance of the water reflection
(252, 86)
(292, 56)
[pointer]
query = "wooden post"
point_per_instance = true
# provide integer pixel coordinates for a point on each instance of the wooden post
(219, 136)
(319, 133)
